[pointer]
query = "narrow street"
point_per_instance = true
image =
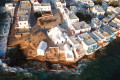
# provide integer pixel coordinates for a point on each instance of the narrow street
(11, 36)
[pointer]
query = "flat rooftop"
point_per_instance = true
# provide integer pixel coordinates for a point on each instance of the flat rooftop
(45, 4)
(80, 25)
(109, 29)
(72, 38)
(23, 18)
(104, 33)
(94, 37)
(97, 21)
(25, 4)
(87, 39)
(98, 8)
(98, 33)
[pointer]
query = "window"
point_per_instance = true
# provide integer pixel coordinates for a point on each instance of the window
(17, 24)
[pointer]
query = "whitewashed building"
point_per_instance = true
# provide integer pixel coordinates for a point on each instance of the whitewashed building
(58, 3)
(115, 23)
(68, 53)
(76, 47)
(73, 17)
(79, 27)
(74, 9)
(86, 3)
(111, 31)
(97, 11)
(89, 44)
(96, 23)
(23, 22)
(99, 38)
(10, 7)
(36, 6)
(113, 10)
(41, 48)
(104, 5)
(41, 7)
(23, 15)
(56, 35)
(106, 20)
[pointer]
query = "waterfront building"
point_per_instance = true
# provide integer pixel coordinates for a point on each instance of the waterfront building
(89, 44)
(41, 48)
(99, 38)
(76, 46)
(68, 53)
(96, 23)
(111, 31)
(97, 11)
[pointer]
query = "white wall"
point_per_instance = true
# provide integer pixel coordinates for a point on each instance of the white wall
(23, 24)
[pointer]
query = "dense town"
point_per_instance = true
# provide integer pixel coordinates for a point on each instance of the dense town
(56, 29)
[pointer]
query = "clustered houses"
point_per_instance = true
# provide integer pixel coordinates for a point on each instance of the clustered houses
(113, 10)
(24, 15)
(85, 5)
(83, 41)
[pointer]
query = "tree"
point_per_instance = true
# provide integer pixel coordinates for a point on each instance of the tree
(82, 17)
(98, 2)
(37, 14)
(114, 4)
